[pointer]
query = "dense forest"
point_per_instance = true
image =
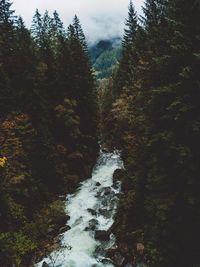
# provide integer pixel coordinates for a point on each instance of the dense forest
(48, 128)
(151, 112)
(105, 56)
(146, 105)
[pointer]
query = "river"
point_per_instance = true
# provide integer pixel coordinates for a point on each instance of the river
(91, 209)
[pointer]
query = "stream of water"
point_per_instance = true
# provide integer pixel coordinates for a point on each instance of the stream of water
(91, 209)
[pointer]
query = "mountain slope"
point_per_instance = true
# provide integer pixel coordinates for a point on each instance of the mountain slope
(105, 55)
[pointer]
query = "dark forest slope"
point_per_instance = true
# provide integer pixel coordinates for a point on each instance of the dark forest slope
(48, 128)
(152, 114)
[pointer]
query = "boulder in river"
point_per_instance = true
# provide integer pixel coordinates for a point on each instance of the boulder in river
(64, 229)
(102, 235)
(92, 211)
(92, 225)
(107, 191)
(45, 264)
(98, 184)
(106, 213)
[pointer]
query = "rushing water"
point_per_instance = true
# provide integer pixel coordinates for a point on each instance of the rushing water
(91, 208)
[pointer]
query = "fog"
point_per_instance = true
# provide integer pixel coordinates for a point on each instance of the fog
(100, 19)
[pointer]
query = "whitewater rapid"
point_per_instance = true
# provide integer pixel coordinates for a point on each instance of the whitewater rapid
(91, 208)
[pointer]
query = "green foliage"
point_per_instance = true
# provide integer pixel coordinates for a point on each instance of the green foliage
(106, 63)
(14, 246)
(105, 56)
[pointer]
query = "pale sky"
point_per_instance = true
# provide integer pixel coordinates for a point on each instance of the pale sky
(100, 19)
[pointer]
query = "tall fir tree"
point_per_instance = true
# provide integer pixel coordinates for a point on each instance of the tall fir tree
(7, 20)
(124, 75)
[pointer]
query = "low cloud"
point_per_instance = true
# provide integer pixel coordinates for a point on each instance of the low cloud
(101, 19)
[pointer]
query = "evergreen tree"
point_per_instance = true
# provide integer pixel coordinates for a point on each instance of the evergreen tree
(130, 28)
(78, 32)
(84, 91)
(42, 33)
(36, 28)
(6, 51)
(24, 60)
(155, 123)
(124, 75)
(57, 23)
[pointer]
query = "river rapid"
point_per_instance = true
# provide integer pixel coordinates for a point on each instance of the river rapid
(91, 209)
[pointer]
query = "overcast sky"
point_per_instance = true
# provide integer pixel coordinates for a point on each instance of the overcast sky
(100, 19)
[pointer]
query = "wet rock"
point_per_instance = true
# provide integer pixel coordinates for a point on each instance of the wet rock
(92, 225)
(102, 235)
(106, 213)
(67, 217)
(107, 191)
(93, 222)
(112, 194)
(45, 264)
(78, 221)
(64, 229)
(98, 184)
(99, 250)
(99, 194)
(105, 202)
(92, 211)
(106, 261)
(105, 150)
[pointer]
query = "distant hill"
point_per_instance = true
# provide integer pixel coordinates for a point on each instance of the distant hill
(104, 56)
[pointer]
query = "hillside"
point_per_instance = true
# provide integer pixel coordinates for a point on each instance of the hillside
(105, 55)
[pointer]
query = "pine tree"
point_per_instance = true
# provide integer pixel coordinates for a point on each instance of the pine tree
(130, 27)
(6, 51)
(78, 32)
(58, 25)
(42, 33)
(24, 60)
(36, 28)
(83, 81)
(125, 73)
(6, 14)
